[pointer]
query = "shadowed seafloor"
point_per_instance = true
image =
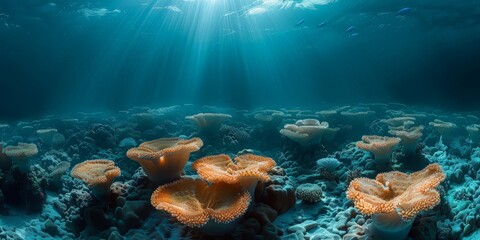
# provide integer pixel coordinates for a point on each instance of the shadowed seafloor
(296, 174)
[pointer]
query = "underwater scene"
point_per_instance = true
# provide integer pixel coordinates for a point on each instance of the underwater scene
(239, 119)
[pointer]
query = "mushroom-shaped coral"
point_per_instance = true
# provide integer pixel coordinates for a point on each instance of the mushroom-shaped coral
(474, 132)
(442, 127)
(409, 138)
(98, 175)
(304, 114)
(327, 115)
(358, 115)
(398, 121)
(381, 147)
(144, 120)
(57, 173)
(20, 155)
(245, 170)
(46, 134)
(270, 118)
(51, 137)
(395, 198)
(195, 203)
(163, 159)
(209, 122)
(308, 131)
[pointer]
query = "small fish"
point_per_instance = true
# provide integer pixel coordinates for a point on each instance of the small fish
(299, 23)
(228, 14)
(321, 24)
(351, 29)
(404, 11)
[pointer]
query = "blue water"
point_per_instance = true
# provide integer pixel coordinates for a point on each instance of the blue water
(296, 81)
(67, 56)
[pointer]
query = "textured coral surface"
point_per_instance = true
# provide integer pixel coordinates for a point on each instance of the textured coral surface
(232, 174)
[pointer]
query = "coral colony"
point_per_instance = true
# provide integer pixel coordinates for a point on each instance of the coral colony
(372, 171)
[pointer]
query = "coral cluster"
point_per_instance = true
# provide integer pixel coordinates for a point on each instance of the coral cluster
(422, 182)
(309, 131)
(193, 202)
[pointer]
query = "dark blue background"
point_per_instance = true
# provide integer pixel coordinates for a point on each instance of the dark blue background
(58, 60)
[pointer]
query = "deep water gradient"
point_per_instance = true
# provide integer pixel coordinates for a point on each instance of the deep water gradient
(64, 56)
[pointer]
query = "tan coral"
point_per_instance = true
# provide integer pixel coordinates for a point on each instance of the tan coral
(381, 147)
(270, 115)
(245, 170)
(20, 155)
(442, 127)
(270, 119)
(409, 137)
(46, 133)
(306, 114)
(397, 121)
(51, 137)
(358, 116)
(97, 174)
(406, 194)
(163, 159)
(308, 131)
(328, 114)
(57, 173)
(209, 122)
(194, 202)
(474, 132)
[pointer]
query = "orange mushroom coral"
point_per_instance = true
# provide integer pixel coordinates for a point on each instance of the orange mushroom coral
(97, 174)
(194, 202)
(381, 147)
(163, 159)
(245, 170)
(395, 198)
(408, 194)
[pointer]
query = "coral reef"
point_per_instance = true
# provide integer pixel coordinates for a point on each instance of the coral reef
(247, 178)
